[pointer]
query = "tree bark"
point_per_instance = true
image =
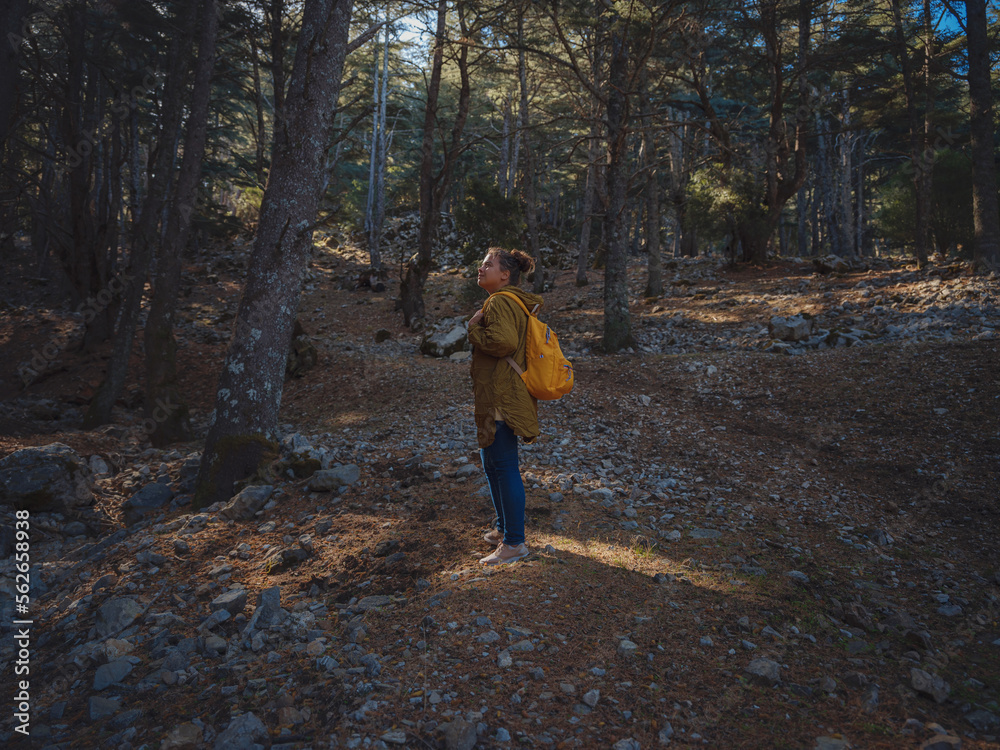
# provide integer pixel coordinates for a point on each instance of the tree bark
(250, 387)
(146, 231)
(654, 267)
(375, 210)
(411, 288)
(782, 178)
(918, 162)
(986, 217)
(593, 154)
(275, 17)
(12, 18)
(165, 405)
(617, 316)
(258, 103)
(528, 176)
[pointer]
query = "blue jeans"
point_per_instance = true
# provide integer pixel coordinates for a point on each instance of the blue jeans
(506, 488)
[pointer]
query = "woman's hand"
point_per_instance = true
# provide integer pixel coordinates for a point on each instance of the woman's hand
(475, 319)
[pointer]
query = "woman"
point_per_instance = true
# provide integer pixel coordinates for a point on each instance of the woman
(504, 408)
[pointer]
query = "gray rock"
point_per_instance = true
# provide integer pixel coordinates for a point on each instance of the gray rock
(591, 697)
(126, 719)
(373, 602)
(146, 501)
(115, 615)
(831, 264)
(98, 707)
(831, 743)
(268, 612)
(99, 467)
(983, 720)
(490, 636)
(248, 502)
(504, 660)
(796, 328)
(523, 646)
(232, 601)
(627, 647)
(665, 733)
(942, 742)
(704, 534)
(242, 733)
(449, 336)
(950, 610)
(215, 644)
(468, 470)
(869, 701)
(928, 684)
(627, 744)
(394, 737)
(148, 557)
(327, 480)
(459, 734)
(182, 737)
(175, 661)
(51, 478)
(764, 672)
(111, 673)
(74, 528)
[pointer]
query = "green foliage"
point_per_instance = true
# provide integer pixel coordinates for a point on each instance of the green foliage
(951, 217)
(719, 202)
(488, 218)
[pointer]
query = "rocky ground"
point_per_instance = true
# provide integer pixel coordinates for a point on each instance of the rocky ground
(731, 547)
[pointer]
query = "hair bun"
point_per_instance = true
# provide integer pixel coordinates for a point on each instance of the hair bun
(524, 261)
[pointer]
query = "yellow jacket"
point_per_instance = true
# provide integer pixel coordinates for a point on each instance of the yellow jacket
(501, 333)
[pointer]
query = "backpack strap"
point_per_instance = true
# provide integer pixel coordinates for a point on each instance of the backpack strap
(510, 360)
(519, 302)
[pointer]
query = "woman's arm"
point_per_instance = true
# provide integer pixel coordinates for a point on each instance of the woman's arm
(497, 334)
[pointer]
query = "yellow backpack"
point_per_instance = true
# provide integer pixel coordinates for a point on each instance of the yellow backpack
(549, 375)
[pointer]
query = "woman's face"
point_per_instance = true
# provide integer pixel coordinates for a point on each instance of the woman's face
(491, 275)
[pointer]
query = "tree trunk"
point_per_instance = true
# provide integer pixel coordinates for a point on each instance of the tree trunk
(845, 182)
(918, 161)
(250, 387)
(411, 288)
(165, 406)
(375, 209)
(528, 176)
(383, 153)
(589, 195)
(276, 15)
(984, 181)
(925, 243)
(146, 231)
(503, 171)
(258, 103)
(783, 179)
(11, 21)
(654, 267)
(617, 317)
(801, 211)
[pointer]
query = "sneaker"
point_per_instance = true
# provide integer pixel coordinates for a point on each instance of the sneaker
(493, 536)
(505, 553)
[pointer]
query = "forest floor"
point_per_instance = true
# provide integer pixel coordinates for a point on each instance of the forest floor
(731, 548)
